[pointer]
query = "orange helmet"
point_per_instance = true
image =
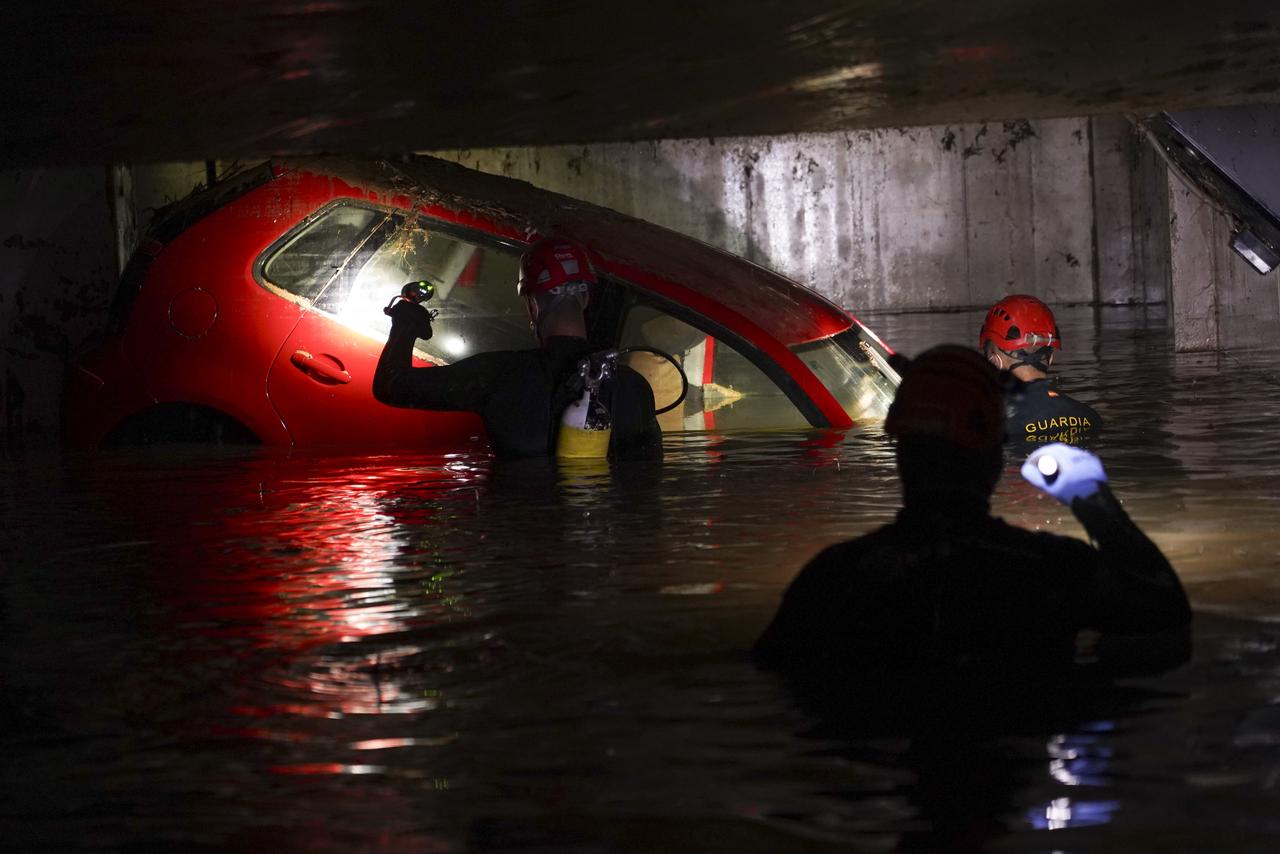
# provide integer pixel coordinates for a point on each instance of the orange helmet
(1020, 322)
(554, 266)
(950, 393)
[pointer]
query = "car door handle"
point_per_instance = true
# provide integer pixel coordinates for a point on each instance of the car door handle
(321, 368)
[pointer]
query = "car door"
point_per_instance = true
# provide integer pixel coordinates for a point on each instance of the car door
(321, 382)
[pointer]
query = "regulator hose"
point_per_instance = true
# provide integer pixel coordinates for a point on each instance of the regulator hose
(684, 380)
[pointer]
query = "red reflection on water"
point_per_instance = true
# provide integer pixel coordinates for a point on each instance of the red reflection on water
(278, 709)
(309, 768)
(316, 561)
(980, 52)
(258, 733)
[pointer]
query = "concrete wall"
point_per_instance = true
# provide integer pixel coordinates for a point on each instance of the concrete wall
(57, 273)
(64, 235)
(1217, 300)
(917, 218)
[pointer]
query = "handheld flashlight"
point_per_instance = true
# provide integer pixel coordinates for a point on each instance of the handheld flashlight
(1048, 467)
(1065, 472)
(418, 292)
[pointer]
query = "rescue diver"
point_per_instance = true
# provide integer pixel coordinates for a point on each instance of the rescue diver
(948, 585)
(1020, 335)
(522, 394)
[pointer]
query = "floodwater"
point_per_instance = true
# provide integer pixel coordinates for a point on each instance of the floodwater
(259, 651)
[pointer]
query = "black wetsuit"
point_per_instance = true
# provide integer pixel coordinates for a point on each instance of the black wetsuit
(1038, 414)
(520, 395)
(954, 586)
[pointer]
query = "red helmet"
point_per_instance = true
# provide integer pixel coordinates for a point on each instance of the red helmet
(1020, 322)
(950, 393)
(554, 266)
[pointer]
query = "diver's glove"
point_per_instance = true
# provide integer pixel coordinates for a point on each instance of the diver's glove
(410, 318)
(1065, 472)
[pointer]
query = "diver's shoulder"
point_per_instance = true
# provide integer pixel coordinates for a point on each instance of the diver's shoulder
(842, 556)
(504, 357)
(1043, 542)
(1059, 395)
(494, 365)
(633, 379)
(1055, 392)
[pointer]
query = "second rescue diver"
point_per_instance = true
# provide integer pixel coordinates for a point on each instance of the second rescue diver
(1020, 335)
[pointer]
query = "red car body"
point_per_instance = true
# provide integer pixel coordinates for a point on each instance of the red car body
(201, 329)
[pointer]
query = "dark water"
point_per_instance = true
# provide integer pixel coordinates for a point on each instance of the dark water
(257, 651)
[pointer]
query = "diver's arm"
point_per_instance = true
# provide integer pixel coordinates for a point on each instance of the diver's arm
(464, 385)
(648, 445)
(1131, 589)
(637, 434)
(394, 366)
(1143, 590)
(1142, 616)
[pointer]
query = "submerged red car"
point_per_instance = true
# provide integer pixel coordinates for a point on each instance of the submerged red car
(252, 311)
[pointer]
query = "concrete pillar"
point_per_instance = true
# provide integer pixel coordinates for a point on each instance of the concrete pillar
(1193, 303)
(1151, 219)
(68, 233)
(1217, 300)
(1248, 303)
(58, 269)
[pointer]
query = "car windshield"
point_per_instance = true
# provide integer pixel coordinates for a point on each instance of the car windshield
(854, 367)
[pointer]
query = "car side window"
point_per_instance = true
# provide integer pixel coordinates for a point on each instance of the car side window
(726, 390)
(351, 260)
(312, 256)
(475, 290)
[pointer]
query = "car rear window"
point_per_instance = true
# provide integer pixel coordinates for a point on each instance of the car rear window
(350, 260)
(311, 257)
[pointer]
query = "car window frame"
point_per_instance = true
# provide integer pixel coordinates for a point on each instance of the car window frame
(275, 246)
(409, 216)
(610, 325)
(472, 235)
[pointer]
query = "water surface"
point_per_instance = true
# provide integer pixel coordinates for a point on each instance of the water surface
(249, 650)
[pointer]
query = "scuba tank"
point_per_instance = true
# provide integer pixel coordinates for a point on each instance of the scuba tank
(586, 426)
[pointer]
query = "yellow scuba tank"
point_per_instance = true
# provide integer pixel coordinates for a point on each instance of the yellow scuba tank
(586, 425)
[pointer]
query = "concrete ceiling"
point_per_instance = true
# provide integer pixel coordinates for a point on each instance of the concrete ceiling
(96, 81)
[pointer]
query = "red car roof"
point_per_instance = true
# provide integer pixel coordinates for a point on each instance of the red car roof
(708, 279)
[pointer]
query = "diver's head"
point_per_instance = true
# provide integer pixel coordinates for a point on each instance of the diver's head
(555, 281)
(948, 418)
(1020, 335)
